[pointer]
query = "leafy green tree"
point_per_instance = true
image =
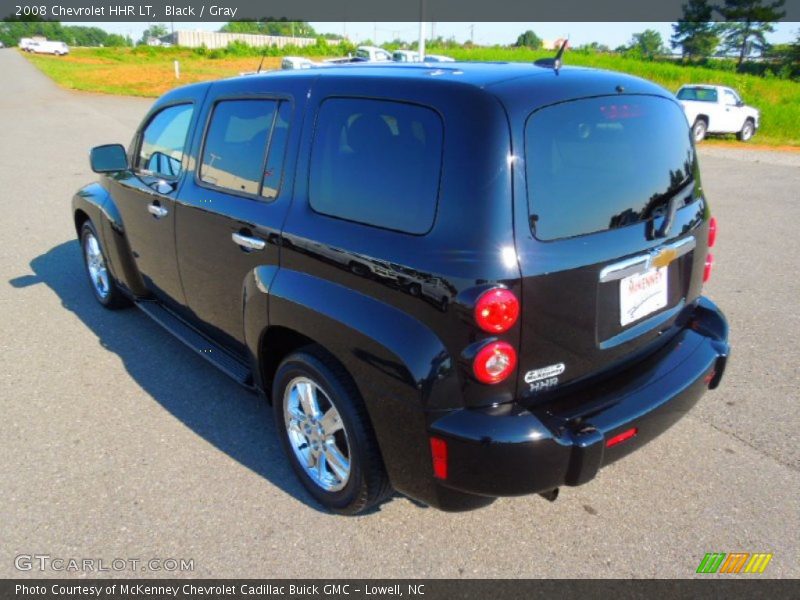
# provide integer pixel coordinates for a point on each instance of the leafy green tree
(748, 22)
(647, 44)
(594, 47)
(12, 29)
(115, 40)
(528, 40)
(154, 31)
(695, 33)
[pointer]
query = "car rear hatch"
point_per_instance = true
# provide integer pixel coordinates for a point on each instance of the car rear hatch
(612, 254)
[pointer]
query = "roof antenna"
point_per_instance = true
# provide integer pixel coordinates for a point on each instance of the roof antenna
(261, 64)
(555, 62)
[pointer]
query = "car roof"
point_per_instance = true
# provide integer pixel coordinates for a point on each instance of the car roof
(479, 74)
(522, 85)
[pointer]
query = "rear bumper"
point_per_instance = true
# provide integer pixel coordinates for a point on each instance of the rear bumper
(510, 450)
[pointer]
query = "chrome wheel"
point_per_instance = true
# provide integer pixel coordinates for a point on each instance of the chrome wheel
(747, 131)
(96, 266)
(316, 434)
(699, 130)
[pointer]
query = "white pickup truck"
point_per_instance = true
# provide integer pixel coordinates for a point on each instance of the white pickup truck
(716, 109)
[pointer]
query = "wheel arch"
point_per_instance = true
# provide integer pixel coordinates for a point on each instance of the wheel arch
(93, 202)
(400, 367)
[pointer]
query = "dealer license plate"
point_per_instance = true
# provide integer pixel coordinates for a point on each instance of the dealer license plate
(642, 294)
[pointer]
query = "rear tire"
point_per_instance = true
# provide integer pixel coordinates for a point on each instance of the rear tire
(747, 132)
(326, 433)
(699, 130)
(105, 289)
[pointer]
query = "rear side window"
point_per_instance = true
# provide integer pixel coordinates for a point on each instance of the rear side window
(163, 141)
(602, 163)
(698, 94)
(377, 162)
(244, 146)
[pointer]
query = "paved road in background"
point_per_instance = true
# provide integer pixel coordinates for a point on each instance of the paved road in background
(118, 442)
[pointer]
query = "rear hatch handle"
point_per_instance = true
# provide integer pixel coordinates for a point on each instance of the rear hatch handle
(660, 257)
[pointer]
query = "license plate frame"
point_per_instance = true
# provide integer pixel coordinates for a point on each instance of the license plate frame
(643, 294)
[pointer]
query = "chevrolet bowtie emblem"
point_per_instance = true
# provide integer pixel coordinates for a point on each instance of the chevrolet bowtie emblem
(663, 257)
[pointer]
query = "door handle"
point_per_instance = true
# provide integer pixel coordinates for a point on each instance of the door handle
(157, 210)
(250, 243)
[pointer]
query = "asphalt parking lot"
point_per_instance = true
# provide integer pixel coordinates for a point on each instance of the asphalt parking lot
(117, 442)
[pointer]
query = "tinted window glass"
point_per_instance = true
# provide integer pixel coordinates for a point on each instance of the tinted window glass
(236, 144)
(377, 162)
(277, 152)
(163, 141)
(698, 94)
(603, 163)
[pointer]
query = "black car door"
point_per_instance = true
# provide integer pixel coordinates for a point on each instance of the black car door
(145, 197)
(232, 208)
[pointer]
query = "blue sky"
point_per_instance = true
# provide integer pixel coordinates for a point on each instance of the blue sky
(611, 34)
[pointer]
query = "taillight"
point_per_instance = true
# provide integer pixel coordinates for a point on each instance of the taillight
(494, 362)
(712, 232)
(439, 457)
(708, 266)
(497, 310)
(621, 437)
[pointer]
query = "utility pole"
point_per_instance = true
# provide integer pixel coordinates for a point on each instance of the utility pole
(421, 48)
(375, 33)
(472, 33)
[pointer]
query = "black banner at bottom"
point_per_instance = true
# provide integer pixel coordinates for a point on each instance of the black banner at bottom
(383, 589)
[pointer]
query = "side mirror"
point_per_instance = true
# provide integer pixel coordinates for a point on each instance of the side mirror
(110, 158)
(740, 103)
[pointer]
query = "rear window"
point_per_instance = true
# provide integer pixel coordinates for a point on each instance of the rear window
(602, 163)
(698, 94)
(377, 162)
(244, 146)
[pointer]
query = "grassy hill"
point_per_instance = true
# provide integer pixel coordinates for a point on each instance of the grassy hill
(149, 72)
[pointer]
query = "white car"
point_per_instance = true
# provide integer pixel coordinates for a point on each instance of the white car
(373, 54)
(297, 62)
(405, 56)
(25, 44)
(714, 109)
(48, 47)
(438, 58)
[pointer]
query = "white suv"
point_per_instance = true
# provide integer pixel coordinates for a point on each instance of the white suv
(717, 109)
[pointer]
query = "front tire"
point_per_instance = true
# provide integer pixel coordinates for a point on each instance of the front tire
(747, 132)
(105, 289)
(326, 433)
(699, 130)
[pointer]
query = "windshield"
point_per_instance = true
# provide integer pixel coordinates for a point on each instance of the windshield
(602, 163)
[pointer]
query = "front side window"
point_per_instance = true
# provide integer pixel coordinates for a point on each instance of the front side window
(245, 145)
(163, 142)
(377, 162)
(730, 98)
(604, 163)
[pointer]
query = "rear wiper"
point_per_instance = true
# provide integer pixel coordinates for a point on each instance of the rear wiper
(555, 62)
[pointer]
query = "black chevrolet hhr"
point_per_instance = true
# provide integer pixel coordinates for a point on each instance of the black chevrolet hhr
(457, 281)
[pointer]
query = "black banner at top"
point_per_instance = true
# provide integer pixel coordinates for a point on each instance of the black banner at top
(358, 10)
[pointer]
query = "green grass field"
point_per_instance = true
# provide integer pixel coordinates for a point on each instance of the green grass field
(149, 72)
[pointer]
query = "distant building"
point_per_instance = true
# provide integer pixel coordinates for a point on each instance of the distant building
(216, 39)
